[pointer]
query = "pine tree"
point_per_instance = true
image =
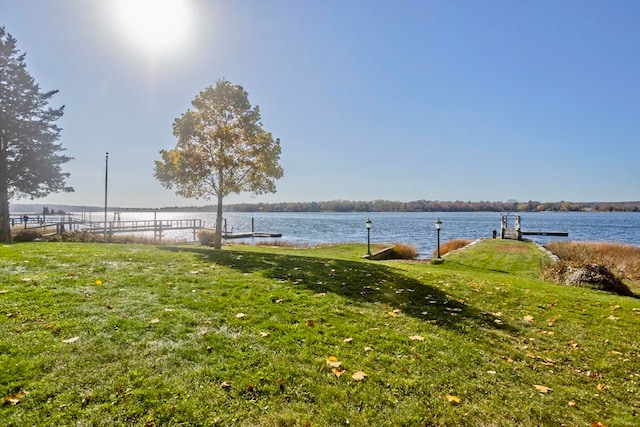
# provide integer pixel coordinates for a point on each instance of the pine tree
(30, 157)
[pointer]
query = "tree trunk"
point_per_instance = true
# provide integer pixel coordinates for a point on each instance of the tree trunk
(217, 241)
(5, 226)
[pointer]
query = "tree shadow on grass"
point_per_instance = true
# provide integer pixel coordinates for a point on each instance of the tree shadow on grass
(361, 282)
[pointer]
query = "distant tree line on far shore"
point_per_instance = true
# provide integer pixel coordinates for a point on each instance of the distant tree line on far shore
(420, 206)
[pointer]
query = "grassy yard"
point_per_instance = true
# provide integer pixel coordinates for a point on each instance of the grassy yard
(95, 334)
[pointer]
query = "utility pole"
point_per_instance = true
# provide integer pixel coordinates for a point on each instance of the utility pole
(106, 174)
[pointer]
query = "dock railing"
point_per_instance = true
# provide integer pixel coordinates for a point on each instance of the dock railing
(157, 226)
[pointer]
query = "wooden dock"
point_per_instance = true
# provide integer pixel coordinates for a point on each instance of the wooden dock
(249, 235)
(158, 227)
(516, 233)
(545, 233)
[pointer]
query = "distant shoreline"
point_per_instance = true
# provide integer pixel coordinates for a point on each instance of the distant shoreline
(355, 206)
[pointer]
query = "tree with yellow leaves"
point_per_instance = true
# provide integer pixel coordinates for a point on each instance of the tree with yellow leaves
(222, 149)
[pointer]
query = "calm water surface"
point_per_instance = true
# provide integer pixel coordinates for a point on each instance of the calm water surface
(417, 229)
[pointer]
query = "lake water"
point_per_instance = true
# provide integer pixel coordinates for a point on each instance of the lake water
(417, 229)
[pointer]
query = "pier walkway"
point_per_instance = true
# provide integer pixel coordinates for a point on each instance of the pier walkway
(157, 226)
(516, 233)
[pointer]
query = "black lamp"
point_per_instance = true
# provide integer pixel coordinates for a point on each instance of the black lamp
(438, 227)
(368, 224)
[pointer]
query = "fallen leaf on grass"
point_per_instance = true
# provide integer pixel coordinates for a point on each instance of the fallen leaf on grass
(598, 424)
(71, 340)
(528, 319)
(337, 372)
(543, 389)
(416, 338)
(592, 374)
(225, 384)
(454, 400)
(156, 320)
(333, 362)
(571, 403)
(602, 387)
(264, 334)
(14, 399)
(240, 315)
(359, 376)
(347, 340)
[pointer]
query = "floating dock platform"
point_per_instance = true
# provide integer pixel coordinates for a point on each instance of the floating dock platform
(249, 235)
(545, 233)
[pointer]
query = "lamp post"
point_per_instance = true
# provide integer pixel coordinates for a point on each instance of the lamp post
(368, 224)
(438, 227)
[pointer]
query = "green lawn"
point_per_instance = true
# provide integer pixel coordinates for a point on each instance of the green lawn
(94, 334)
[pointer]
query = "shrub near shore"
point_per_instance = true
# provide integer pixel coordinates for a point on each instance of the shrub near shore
(451, 245)
(622, 260)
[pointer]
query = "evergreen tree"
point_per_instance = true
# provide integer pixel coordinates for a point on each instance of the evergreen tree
(30, 157)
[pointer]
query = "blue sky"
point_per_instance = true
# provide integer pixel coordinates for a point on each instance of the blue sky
(399, 100)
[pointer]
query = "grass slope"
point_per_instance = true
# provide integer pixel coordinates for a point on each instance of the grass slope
(96, 334)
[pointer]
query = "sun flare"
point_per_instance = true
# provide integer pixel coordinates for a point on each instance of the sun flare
(154, 26)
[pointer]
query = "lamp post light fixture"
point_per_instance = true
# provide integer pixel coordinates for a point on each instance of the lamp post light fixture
(438, 227)
(368, 224)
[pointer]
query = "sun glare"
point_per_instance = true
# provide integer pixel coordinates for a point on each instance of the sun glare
(154, 26)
